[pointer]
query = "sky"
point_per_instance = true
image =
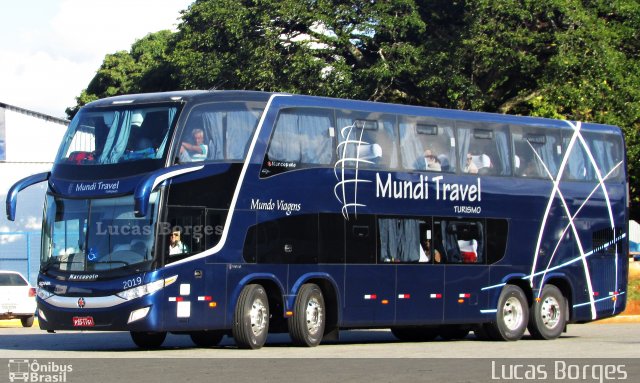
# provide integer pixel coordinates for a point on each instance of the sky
(51, 49)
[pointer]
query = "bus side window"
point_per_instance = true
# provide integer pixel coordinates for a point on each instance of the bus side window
(497, 234)
(608, 153)
(579, 167)
(461, 241)
(302, 137)
(187, 232)
(404, 240)
(367, 140)
(427, 144)
(484, 149)
(536, 152)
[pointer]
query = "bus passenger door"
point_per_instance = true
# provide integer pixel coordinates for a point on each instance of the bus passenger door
(369, 287)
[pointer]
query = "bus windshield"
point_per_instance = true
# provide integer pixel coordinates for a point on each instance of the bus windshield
(120, 134)
(96, 235)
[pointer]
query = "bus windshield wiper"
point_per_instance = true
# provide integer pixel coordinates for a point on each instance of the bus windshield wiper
(49, 263)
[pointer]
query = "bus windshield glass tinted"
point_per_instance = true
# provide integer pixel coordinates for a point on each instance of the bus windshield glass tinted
(96, 235)
(116, 135)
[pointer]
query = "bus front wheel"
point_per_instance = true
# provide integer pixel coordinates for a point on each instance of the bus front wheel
(511, 317)
(148, 340)
(251, 318)
(306, 327)
(548, 314)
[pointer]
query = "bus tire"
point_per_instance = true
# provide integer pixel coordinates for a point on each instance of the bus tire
(148, 340)
(27, 321)
(512, 316)
(251, 318)
(306, 326)
(206, 338)
(548, 315)
(415, 334)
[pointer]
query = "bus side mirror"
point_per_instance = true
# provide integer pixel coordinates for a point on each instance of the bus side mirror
(148, 183)
(12, 195)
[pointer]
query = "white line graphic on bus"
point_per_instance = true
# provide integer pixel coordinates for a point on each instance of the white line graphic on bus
(354, 150)
(576, 139)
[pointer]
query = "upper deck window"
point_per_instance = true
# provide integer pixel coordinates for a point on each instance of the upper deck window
(219, 131)
(608, 153)
(484, 148)
(537, 151)
(116, 135)
(302, 136)
(366, 140)
(427, 144)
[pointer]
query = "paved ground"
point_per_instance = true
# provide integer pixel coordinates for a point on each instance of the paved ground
(583, 354)
(594, 340)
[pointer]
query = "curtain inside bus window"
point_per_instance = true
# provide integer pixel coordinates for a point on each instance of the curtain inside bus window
(213, 124)
(502, 148)
(607, 152)
(116, 144)
(240, 127)
(302, 136)
(228, 128)
(578, 167)
(537, 152)
(315, 139)
(399, 240)
(285, 142)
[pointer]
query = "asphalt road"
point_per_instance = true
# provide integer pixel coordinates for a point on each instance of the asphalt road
(359, 356)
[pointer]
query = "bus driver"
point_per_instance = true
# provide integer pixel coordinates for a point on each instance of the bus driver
(196, 151)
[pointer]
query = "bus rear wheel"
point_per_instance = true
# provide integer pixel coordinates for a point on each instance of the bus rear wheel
(148, 340)
(251, 318)
(206, 338)
(511, 317)
(306, 327)
(548, 314)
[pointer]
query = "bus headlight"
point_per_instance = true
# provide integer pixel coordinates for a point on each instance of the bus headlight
(43, 294)
(147, 289)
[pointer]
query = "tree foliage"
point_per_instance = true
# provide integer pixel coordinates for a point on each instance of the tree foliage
(568, 59)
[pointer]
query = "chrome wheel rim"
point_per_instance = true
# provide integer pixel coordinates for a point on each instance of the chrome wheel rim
(512, 313)
(550, 312)
(314, 315)
(258, 316)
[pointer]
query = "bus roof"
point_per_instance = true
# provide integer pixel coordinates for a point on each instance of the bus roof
(316, 101)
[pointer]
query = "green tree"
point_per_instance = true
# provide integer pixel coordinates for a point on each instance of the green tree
(356, 49)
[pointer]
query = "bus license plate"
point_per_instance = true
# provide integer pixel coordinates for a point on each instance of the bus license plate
(83, 322)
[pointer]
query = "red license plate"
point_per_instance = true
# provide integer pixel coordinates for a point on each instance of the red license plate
(83, 322)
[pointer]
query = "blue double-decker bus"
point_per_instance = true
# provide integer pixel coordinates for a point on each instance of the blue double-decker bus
(214, 213)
